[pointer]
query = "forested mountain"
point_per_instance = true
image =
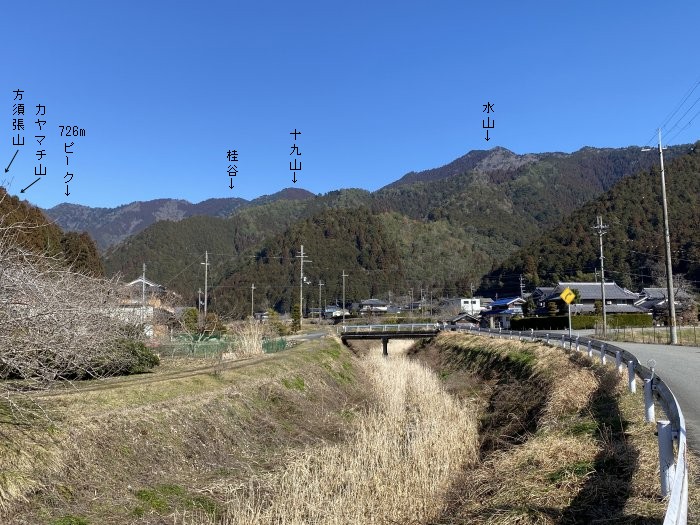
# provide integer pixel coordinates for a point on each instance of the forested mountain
(449, 228)
(476, 160)
(634, 243)
(353, 240)
(110, 226)
(31, 230)
(172, 250)
(514, 199)
(439, 256)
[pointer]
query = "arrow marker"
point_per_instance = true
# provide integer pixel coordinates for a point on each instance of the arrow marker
(294, 180)
(67, 192)
(32, 184)
(487, 135)
(231, 184)
(10, 164)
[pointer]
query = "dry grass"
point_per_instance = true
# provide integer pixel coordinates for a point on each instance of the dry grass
(314, 435)
(112, 461)
(589, 459)
(395, 468)
(248, 337)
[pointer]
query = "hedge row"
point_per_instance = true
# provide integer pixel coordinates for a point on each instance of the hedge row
(580, 322)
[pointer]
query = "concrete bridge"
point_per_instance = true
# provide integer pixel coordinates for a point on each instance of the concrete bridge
(385, 332)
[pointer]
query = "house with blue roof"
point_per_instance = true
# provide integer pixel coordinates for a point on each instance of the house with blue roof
(502, 311)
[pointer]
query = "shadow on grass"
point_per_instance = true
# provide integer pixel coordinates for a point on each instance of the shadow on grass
(603, 497)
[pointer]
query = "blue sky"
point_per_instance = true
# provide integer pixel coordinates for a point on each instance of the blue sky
(378, 89)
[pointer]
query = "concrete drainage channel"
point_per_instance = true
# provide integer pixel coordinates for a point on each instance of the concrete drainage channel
(673, 466)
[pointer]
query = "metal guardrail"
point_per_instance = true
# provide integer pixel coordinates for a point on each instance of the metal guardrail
(673, 471)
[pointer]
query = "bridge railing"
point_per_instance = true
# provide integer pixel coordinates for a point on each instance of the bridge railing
(388, 328)
(673, 467)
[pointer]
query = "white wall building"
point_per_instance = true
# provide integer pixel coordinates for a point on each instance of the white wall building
(470, 305)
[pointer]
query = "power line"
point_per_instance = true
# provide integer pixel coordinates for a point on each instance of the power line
(684, 127)
(668, 131)
(686, 97)
(673, 113)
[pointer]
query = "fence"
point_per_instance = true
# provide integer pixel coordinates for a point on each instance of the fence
(673, 470)
(187, 346)
(687, 335)
(272, 346)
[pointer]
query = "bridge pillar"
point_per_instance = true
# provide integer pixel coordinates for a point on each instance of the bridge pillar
(385, 346)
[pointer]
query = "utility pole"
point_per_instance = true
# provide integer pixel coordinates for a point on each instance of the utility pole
(344, 276)
(602, 229)
(143, 294)
(410, 293)
(302, 259)
(522, 286)
(199, 303)
(320, 283)
(667, 240)
(206, 276)
(252, 300)
(670, 294)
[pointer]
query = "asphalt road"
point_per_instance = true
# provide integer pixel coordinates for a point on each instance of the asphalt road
(679, 367)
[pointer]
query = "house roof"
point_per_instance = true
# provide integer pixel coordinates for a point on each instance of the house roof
(649, 304)
(610, 309)
(507, 311)
(660, 293)
(464, 316)
(543, 291)
(373, 302)
(591, 291)
(506, 301)
(654, 293)
(146, 281)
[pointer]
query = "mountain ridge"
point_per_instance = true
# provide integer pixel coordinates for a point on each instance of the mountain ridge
(449, 232)
(110, 226)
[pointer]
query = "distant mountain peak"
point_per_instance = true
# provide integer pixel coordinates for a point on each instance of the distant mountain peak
(479, 160)
(288, 194)
(502, 158)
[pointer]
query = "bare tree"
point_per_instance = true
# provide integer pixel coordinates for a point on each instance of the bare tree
(56, 323)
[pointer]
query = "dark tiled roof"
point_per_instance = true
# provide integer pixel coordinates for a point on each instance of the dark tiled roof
(374, 302)
(660, 293)
(544, 291)
(591, 291)
(610, 309)
(464, 317)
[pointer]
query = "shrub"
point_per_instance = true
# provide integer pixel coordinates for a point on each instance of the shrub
(142, 358)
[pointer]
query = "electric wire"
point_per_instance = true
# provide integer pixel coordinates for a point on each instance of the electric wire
(669, 117)
(684, 127)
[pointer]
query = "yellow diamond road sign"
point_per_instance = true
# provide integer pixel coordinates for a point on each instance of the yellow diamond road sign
(567, 296)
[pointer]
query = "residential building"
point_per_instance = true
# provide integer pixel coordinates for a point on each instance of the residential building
(373, 306)
(617, 299)
(654, 300)
(502, 311)
(470, 305)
